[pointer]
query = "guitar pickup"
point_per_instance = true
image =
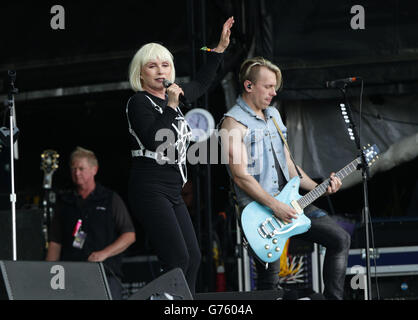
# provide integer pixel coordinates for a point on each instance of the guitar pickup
(296, 206)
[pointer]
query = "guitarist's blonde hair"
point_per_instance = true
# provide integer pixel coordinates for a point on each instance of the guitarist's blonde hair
(80, 152)
(250, 67)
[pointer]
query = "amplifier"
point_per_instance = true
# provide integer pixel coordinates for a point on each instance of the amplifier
(389, 261)
(393, 271)
(30, 241)
(400, 287)
(393, 232)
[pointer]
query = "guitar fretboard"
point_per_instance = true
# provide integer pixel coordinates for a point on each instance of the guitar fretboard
(314, 194)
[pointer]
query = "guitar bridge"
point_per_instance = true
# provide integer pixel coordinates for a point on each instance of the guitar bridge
(267, 229)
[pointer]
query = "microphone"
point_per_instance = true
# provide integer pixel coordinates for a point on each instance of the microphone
(182, 98)
(11, 84)
(340, 82)
(12, 75)
(167, 83)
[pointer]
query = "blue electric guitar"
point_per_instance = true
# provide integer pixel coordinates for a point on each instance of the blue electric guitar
(267, 234)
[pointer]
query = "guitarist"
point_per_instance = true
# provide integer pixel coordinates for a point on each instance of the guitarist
(260, 165)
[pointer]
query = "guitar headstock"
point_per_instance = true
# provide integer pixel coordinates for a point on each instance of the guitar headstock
(371, 153)
(49, 163)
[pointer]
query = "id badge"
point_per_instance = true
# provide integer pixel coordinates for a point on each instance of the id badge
(79, 239)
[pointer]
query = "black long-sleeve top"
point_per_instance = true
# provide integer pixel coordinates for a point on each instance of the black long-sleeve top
(145, 120)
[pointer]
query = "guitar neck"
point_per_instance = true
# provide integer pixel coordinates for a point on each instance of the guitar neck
(314, 194)
(47, 180)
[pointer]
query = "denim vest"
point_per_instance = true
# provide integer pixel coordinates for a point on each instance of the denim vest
(261, 140)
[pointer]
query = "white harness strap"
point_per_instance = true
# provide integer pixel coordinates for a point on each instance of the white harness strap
(156, 106)
(142, 151)
(184, 134)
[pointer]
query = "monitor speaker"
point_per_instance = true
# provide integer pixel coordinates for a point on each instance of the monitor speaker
(41, 280)
(169, 286)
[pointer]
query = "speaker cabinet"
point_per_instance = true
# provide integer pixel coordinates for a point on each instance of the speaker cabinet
(30, 241)
(41, 280)
(173, 283)
(388, 232)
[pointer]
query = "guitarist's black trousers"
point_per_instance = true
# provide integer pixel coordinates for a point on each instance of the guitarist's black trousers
(326, 232)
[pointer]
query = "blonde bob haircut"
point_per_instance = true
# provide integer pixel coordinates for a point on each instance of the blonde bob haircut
(148, 52)
(250, 67)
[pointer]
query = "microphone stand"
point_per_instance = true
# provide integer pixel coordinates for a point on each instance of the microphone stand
(365, 175)
(11, 103)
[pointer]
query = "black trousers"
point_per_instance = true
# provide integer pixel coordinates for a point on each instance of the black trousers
(160, 209)
(326, 232)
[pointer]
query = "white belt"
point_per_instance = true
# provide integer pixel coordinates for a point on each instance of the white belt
(154, 155)
(149, 154)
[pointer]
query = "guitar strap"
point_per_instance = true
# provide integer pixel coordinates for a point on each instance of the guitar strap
(287, 147)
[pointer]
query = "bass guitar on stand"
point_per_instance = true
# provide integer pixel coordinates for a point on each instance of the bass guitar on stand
(49, 164)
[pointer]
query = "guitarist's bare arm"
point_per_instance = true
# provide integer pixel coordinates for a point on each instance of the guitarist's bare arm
(306, 182)
(232, 135)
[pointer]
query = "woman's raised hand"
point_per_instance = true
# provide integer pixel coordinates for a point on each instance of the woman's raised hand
(225, 35)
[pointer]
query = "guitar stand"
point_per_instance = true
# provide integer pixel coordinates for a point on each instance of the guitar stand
(365, 176)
